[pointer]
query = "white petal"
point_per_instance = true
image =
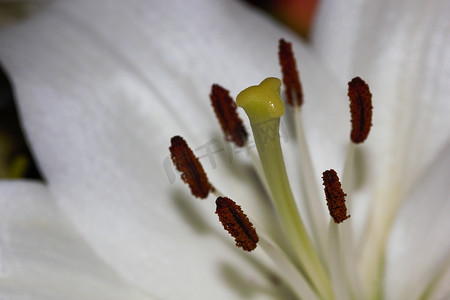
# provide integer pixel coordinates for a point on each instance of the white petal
(43, 257)
(442, 290)
(102, 88)
(419, 246)
(401, 49)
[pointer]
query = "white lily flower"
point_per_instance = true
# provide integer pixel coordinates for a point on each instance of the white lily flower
(102, 86)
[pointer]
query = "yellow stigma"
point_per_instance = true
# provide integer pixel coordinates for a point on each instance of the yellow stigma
(264, 108)
(262, 102)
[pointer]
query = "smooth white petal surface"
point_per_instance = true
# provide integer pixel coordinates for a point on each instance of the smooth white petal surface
(442, 291)
(43, 257)
(419, 245)
(102, 87)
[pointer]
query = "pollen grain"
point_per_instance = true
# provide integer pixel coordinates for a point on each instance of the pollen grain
(360, 108)
(236, 222)
(291, 78)
(225, 109)
(189, 165)
(335, 196)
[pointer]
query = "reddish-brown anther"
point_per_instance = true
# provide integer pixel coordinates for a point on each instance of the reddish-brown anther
(236, 223)
(360, 108)
(335, 196)
(291, 79)
(190, 167)
(225, 109)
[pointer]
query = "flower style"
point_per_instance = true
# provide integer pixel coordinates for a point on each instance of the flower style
(101, 86)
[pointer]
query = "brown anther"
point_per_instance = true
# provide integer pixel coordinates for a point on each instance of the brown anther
(335, 196)
(291, 79)
(190, 167)
(225, 109)
(360, 108)
(236, 223)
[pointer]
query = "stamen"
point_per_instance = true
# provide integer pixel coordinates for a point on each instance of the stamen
(225, 109)
(335, 196)
(190, 167)
(360, 108)
(236, 223)
(290, 74)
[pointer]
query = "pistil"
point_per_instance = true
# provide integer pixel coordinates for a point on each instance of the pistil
(232, 127)
(264, 108)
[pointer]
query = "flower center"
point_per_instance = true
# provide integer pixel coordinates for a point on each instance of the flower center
(318, 263)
